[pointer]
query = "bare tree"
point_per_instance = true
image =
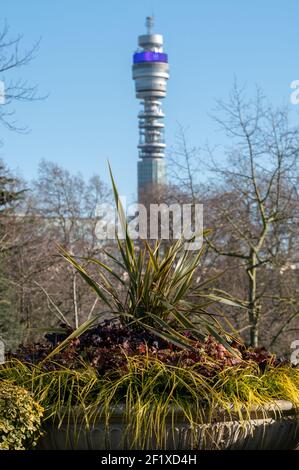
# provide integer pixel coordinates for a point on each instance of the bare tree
(250, 197)
(12, 57)
(255, 199)
(66, 207)
(185, 165)
(43, 289)
(12, 190)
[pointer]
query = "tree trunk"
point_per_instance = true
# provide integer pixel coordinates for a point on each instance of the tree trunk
(253, 302)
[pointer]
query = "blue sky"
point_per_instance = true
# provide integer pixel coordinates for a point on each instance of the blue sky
(84, 63)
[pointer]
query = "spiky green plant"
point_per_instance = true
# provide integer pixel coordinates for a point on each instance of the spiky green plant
(154, 289)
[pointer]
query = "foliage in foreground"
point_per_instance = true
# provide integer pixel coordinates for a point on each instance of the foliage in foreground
(20, 418)
(154, 289)
(152, 393)
(168, 359)
(107, 346)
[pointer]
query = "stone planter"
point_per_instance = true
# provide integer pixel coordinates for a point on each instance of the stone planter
(273, 427)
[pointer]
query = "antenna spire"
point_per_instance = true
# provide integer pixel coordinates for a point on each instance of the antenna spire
(149, 23)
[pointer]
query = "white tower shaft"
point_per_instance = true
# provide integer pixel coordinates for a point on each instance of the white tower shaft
(150, 72)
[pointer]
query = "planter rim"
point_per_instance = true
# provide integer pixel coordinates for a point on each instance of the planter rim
(274, 409)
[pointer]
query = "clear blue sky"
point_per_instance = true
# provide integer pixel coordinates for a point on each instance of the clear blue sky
(84, 62)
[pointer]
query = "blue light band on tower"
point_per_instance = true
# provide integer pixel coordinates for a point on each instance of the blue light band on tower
(150, 73)
(149, 56)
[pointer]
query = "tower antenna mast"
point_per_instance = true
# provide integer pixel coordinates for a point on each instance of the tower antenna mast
(149, 23)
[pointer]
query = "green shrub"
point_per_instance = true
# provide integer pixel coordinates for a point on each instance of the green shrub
(20, 418)
(151, 391)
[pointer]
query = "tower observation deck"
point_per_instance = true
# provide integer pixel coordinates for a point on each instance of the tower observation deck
(150, 73)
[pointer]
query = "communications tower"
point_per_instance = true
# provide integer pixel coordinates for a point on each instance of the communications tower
(150, 73)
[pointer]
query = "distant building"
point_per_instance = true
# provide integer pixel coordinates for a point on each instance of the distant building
(150, 72)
